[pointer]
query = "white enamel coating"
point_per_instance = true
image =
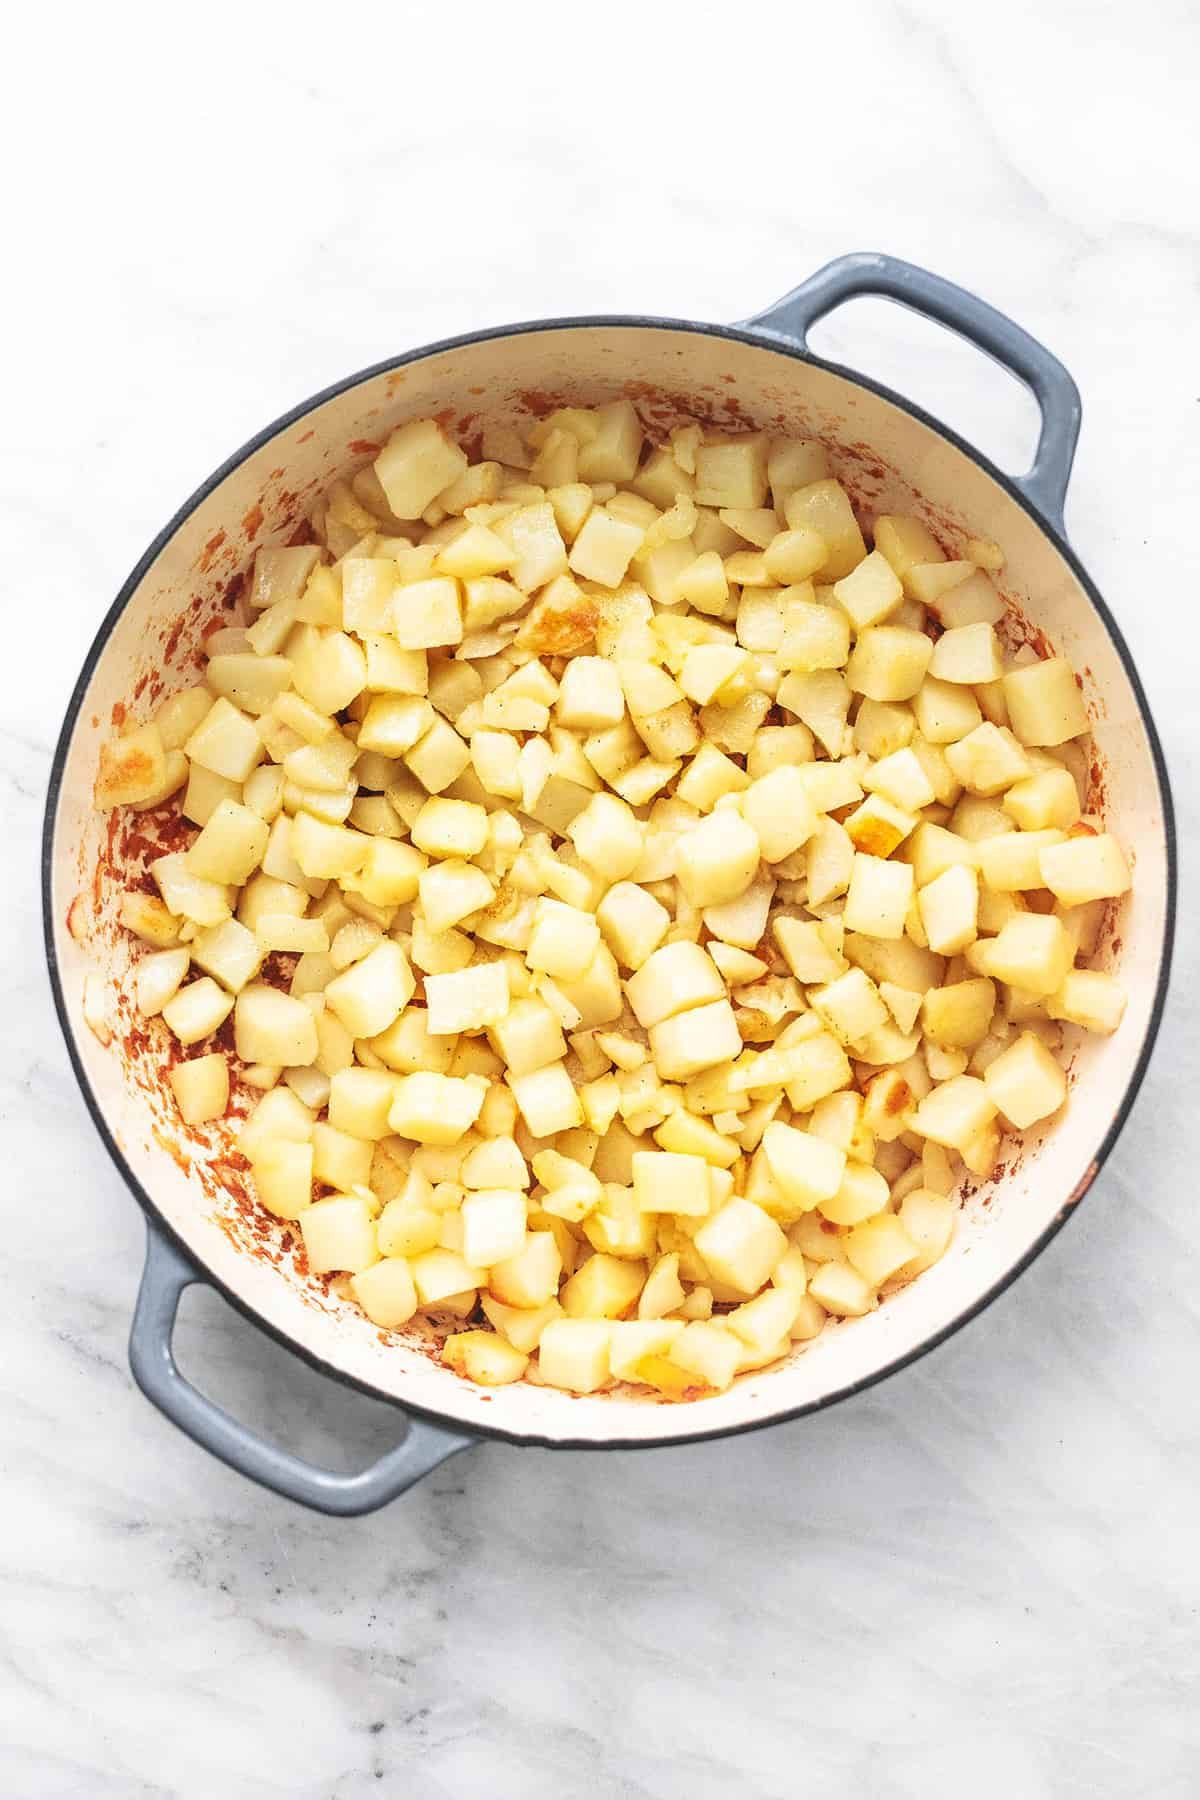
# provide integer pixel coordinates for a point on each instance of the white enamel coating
(892, 461)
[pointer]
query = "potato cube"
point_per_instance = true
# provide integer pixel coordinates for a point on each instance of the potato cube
(493, 1225)
(824, 507)
(225, 742)
(440, 1274)
(201, 1088)
(988, 760)
(467, 1000)
(149, 919)
(1031, 951)
(741, 1245)
(932, 850)
(369, 995)
(632, 922)
(484, 1358)
(283, 1175)
(329, 668)
(822, 701)
(878, 897)
(386, 1292)
(604, 1287)
(132, 769)
(390, 874)
(496, 759)
(863, 1193)
(340, 1160)
(850, 1006)
(1025, 1083)
(394, 723)
(841, 1290)
(955, 1112)
(563, 940)
(530, 1278)
(1084, 868)
(158, 978)
(272, 1027)
(607, 836)
(807, 1169)
(451, 891)
(1046, 800)
(230, 846)
(590, 697)
(794, 556)
(439, 758)
(547, 1099)
(679, 977)
(604, 547)
(1090, 998)
(695, 1040)
(717, 859)
(879, 1248)
(902, 779)
(613, 446)
(1045, 706)
(415, 465)
(360, 1101)
(904, 540)
(732, 472)
(967, 655)
(945, 711)
(670, 1182)
(574, 1354)
(928, 1220)
(528, 1036)
(436, 1109)
(541, 555)
(870, 592)
(889, 662)
(339, 1234)
(230, 952)
(949, 908)
(450, 828)
(1011, 860)
(810, 948)
(957, 1017)
(778, 809)
(708, 1351)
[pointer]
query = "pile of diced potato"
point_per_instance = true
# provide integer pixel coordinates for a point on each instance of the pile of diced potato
(678, 896)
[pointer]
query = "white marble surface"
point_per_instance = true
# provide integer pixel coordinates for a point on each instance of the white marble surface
(983, 1576)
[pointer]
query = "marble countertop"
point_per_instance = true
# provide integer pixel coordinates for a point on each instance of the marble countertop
(982, 1576)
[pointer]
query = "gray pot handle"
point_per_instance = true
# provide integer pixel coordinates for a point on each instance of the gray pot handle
(789, 320)
(151, 1357)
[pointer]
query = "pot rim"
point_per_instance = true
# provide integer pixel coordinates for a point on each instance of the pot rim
(622, 321)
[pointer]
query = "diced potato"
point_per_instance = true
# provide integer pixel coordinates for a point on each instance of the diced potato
(851, 1006)
(1084, 868)
(1031, 951)
(1045, 706)
(807, 1169)
(732, 472)
(368, 996)
(1025, 1082)
(718, 859)
(1090, 998)
(741, 1245)
(967, 655)
(955, 1112)
(679, 977)
(949, 907)
(201, 1088)
(879, 1248)
(225, 742)
(879, 896)
(386, 1292)
(1045, 800)
(957, 1016)
(778, 809)
(196, 1011)
(823, 506)
(841, 1290)
(699, 1039)
(484, 1358)
(870, 592)
(889, 662)
(339, 1234)
(416, 464)
(574, 1354)
(547, 1099)
(668, 1182)
(436, 1109)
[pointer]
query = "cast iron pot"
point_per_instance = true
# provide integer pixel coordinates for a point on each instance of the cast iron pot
(893, 457)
